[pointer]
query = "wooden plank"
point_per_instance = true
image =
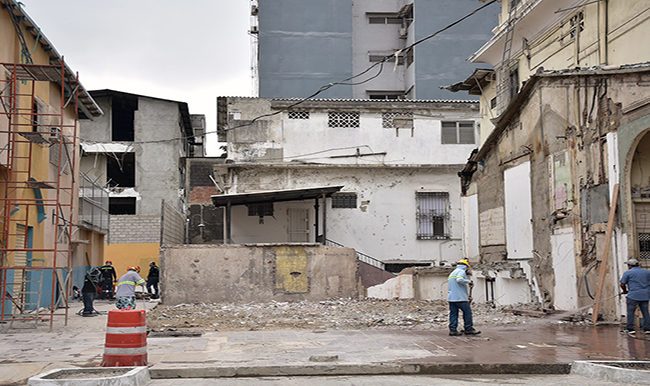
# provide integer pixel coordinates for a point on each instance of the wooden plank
(603, 263)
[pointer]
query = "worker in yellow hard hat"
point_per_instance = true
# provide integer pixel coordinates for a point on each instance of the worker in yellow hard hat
(458, 299)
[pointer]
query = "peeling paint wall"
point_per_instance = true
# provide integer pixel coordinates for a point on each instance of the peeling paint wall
(569, 170)
(246, 273)
(383, 223)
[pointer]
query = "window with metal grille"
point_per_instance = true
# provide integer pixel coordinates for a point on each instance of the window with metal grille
(344, 200)
(397, 120)
(343, 119)
(265, 209)
(644, 250)
(458, 133)
(298, 114)
(432, 216)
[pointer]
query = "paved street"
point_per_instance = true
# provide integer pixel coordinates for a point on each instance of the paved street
(26, 352)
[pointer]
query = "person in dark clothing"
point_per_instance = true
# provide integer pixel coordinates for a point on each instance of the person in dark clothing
(108, 278)
(89, 291)
(152, 279)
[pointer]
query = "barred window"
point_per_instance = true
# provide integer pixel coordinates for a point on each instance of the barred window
(397, 120)
(344, 200)
(343, 119)
(298, 114)
(458, 133)
(432, 216)
(644, 250)
(260, 209)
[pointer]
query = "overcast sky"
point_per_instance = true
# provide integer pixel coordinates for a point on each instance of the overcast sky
(190, 51)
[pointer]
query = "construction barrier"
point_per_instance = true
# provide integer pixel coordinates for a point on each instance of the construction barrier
(126, 339)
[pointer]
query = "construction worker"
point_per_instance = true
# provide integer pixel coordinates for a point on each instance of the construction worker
(108, 278)
(458, 299)
(635, 282)
(152, 279)
(125, 293)
(89, 291)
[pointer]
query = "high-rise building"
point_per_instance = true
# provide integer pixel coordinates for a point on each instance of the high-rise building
(301, 46)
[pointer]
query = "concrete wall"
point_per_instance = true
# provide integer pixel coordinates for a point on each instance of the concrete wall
(382, 225)
(158, 164)
(441, 61)
(245, 273)
(303, 46)
(505, 285)
(280, 139)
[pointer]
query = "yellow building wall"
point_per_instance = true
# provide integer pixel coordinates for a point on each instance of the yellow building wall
(124, 256)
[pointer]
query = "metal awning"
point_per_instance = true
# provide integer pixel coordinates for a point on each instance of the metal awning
(318, 193)
(474, 84)
(274, 196)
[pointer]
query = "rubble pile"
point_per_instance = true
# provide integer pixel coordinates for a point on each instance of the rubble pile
(343, 314)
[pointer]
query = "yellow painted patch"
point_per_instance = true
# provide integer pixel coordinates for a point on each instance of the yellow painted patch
(291, 269)
(124, 256)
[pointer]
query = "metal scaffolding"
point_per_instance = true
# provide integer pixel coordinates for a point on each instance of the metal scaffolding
(38, 189)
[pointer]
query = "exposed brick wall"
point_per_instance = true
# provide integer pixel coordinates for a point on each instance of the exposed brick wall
(134, 229)
(201, 194)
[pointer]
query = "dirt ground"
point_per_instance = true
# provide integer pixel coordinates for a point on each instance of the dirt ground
(343, 314)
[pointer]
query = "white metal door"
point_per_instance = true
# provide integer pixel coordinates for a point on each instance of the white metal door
(519, 226)
(298, 225)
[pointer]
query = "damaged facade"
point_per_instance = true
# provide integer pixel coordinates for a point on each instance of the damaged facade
(137, 151)
(558, 184)
(387, 171)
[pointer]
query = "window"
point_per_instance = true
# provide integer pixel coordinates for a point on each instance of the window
(386, 95)
(344, 200)
(260, 210)
(59, 148)
(343, 119)
(457, 133)
(298, 114)
(121, 205)
(386, 57)
(577, 24)
(383, 18)
(432, 215)
(644, 249)
(123, 115)
(397, 120)
(120, 170)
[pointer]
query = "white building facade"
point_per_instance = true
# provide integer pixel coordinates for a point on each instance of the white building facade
(394, 164)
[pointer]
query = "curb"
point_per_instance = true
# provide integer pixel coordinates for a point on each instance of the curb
(101, 376)
(358, 369)
(614, 371)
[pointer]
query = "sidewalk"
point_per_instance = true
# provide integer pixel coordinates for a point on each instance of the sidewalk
(526, 349)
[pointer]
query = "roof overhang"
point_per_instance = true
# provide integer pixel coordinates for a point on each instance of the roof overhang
(474, 84)
(533, 19)
(274, 196)
(87, 107)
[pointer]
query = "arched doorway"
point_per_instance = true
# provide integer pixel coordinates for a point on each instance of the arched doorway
(640, 191)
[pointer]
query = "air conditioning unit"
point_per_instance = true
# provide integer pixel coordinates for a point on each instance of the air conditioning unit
(402, 33)
(255, 29)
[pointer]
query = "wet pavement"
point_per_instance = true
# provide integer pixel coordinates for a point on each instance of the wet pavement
(527, 349)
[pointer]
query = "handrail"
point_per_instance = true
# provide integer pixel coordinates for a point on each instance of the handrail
(361, 256)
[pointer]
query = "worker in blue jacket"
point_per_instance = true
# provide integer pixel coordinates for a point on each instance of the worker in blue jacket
(458, 299)
(635, 282)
